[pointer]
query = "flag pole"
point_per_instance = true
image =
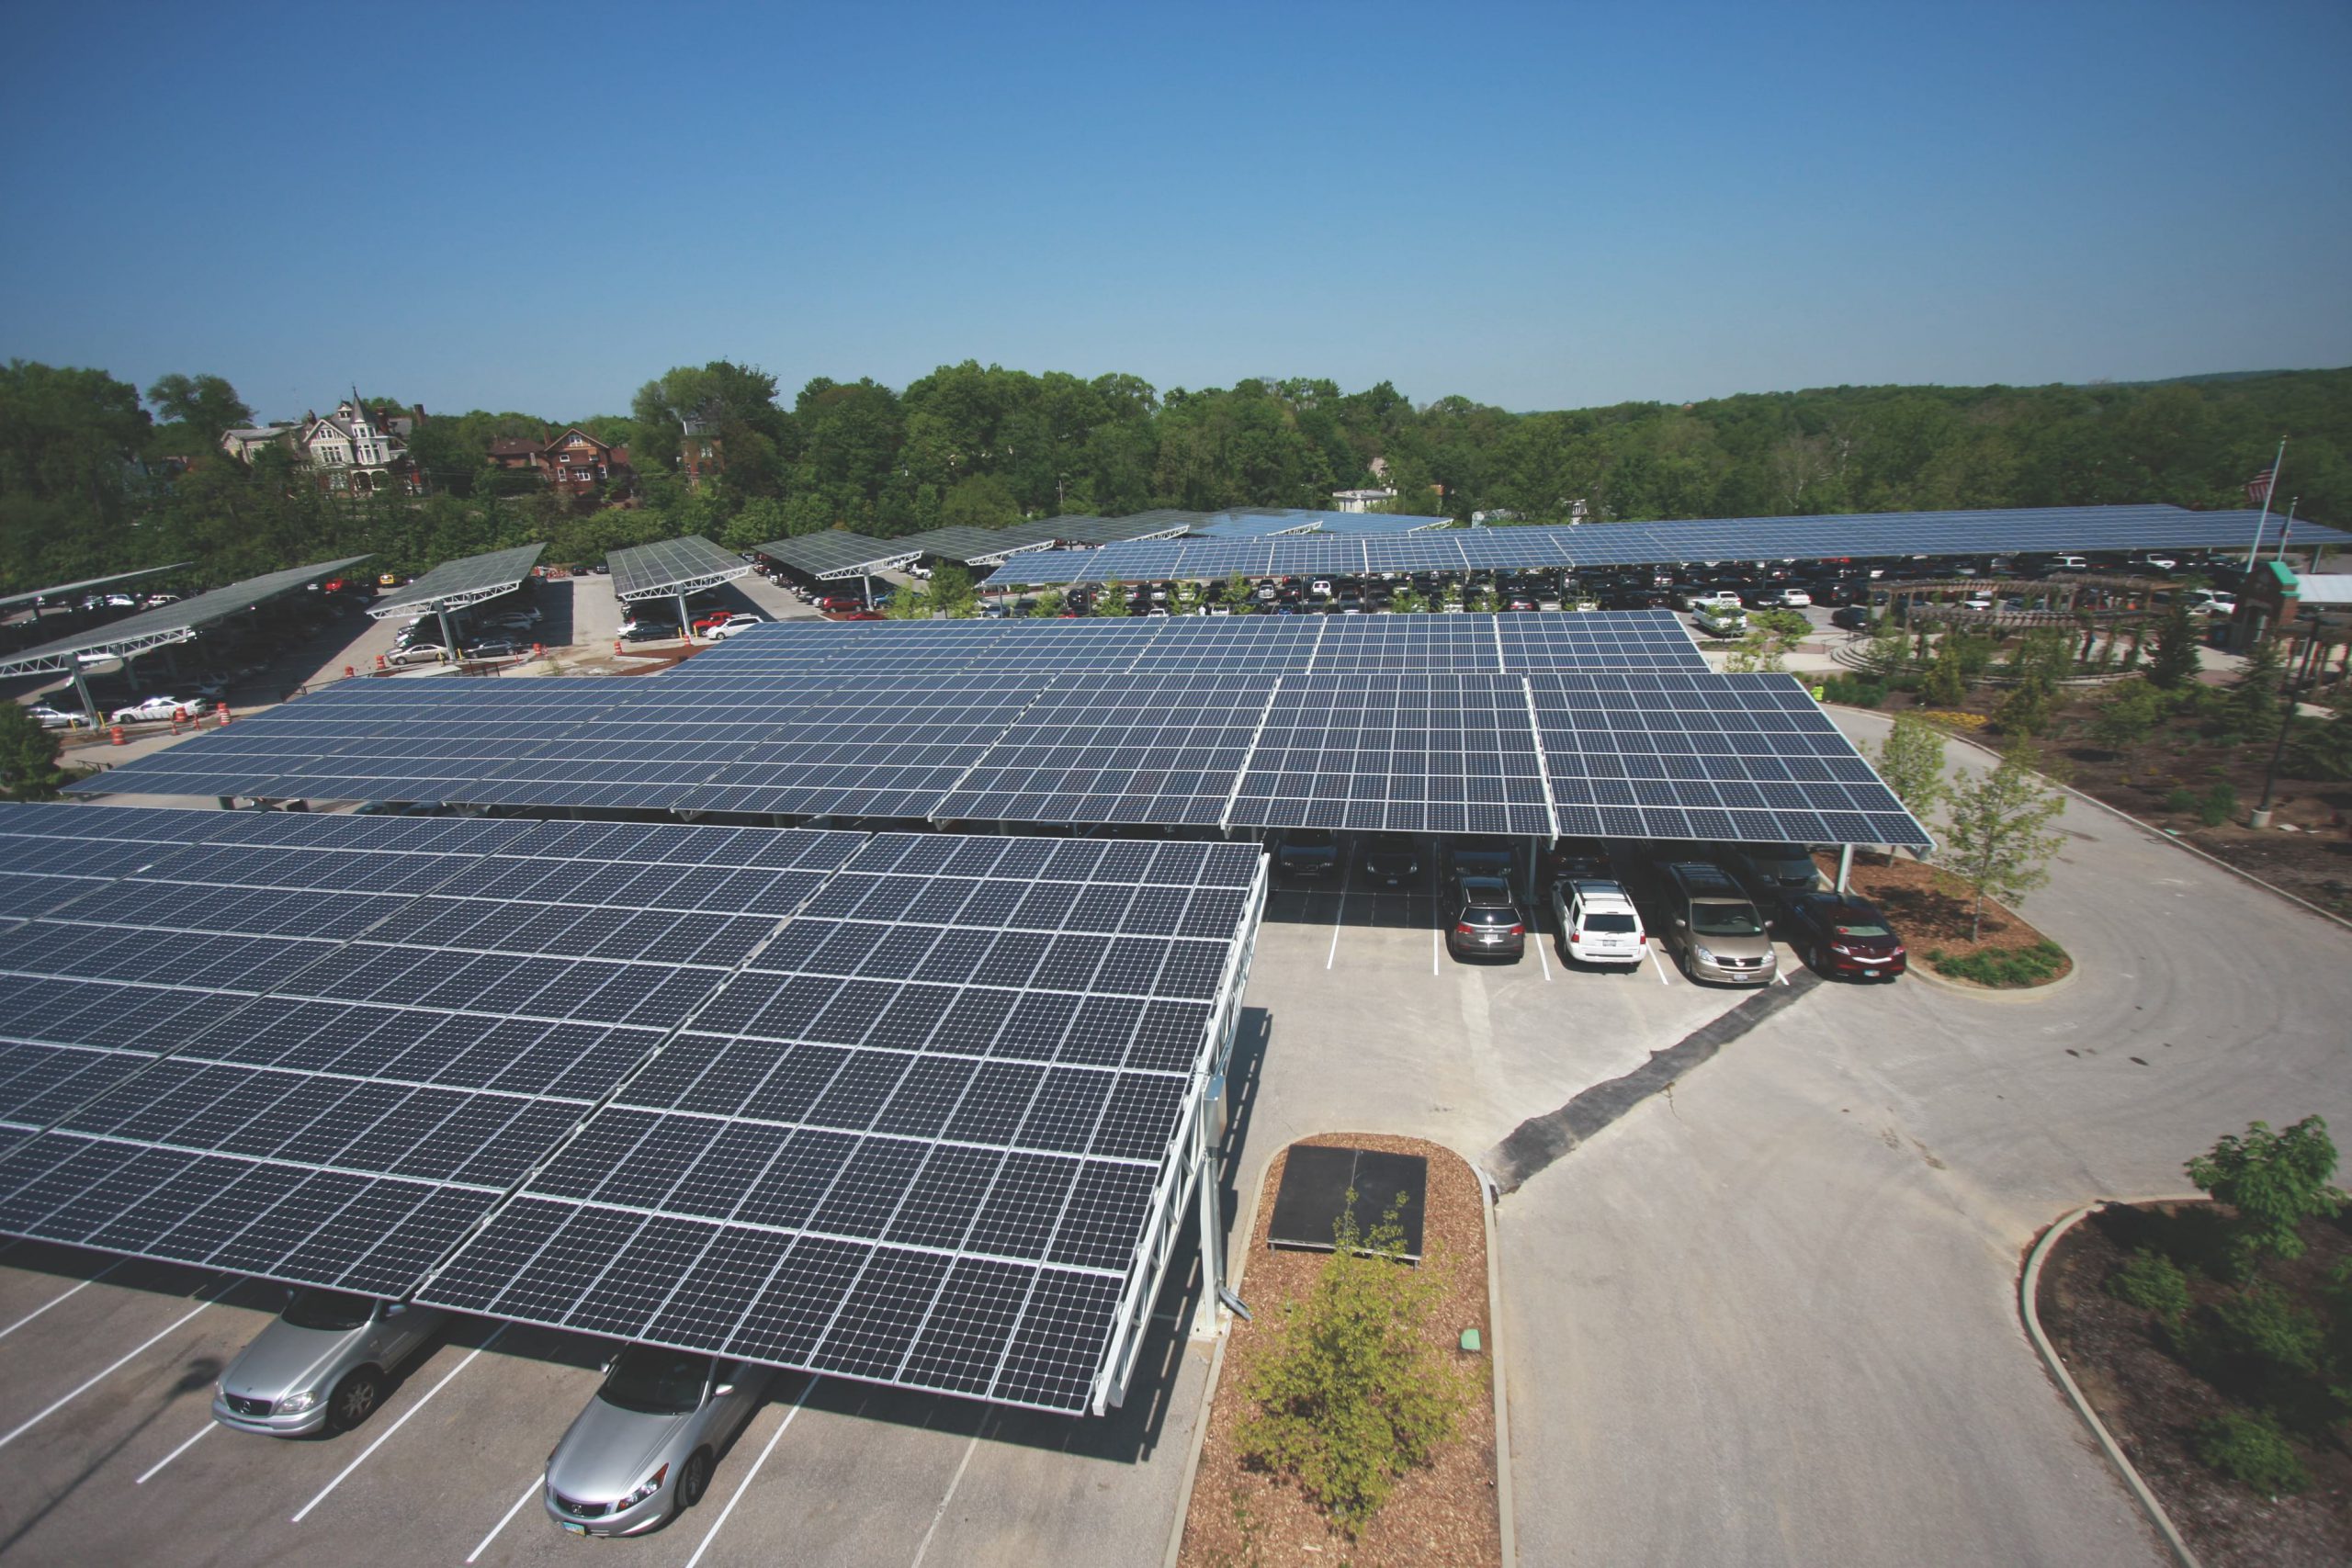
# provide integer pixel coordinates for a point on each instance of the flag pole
(2286, 529)
(2276, 463)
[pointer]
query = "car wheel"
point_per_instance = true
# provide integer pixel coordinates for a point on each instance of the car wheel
(695, 1480)
(1813, 959)
(356, 1398)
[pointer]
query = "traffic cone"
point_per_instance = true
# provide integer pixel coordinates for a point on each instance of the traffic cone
(224, 715)
(379, 661)
(348, 672)
(617, 644)
(538, 650)
(118, 738)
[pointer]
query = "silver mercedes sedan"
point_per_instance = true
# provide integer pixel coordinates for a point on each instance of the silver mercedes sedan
(642, 1450)
(323, 1365)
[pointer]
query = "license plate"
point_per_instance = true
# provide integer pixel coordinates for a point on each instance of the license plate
(1869, 974)
(1488, 941)
(576, 1529)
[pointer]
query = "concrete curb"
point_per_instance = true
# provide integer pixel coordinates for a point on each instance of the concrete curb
(1924, 972)
(2028, 1286)
(1193, 1456)
(1504, 1505)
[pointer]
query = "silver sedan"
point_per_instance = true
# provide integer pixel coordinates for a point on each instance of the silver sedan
(643, 1449)
(323, 1365)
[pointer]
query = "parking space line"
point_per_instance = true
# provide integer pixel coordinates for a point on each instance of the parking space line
(1435, 946)
(111, 1368)
(1658, 963)
(753, 1474)
(1339, 914)
(344, 1474)
(1541, 956)
(152, 1468)
(54, 1300)
(508, 1516)
(941, 1512)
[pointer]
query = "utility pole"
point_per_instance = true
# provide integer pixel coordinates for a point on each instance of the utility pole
(2289, 690)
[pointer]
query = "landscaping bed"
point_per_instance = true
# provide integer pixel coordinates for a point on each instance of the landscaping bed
(2150, 1398)
(1931, 912)
(1242, 1516)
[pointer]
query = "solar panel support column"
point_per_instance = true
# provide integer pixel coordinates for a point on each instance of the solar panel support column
(448, 637)
(1845, 866)
(82, 688)
(1209, 1309)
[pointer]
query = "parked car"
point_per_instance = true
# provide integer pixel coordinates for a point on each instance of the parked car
(1774, 870)
(415, 653)
(643, 1449)
(1391, 863)
(1598, 923)
(840, 604)
(159, 707)
(731, 625)
(1853, 617)
(1841, 935)
(649, 631)
(495, 647)
(1467, 858)
(321, 1365)
(1712, 925)
(50, 717)
(1307, 853)
(1487, 922)
(1720, 620)
(2208, 602)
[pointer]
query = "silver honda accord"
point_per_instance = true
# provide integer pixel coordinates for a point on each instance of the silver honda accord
(324, 1364)
(643, 1449)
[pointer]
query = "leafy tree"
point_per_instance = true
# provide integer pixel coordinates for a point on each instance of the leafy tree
(1111, 598)
(28, 753)
(1351, 1396)
(207, 405)
(1239, 597)
(2320, 749)
(2273, 1182)
(1997, 844)
(1047, 604)
(2174, 663)
(2254, 707)
(983, 501)
(2128, 714)
(1945, 681)
(1888, 651)
(1911, 761)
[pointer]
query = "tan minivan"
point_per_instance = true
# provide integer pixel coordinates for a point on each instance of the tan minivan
(1713, 928)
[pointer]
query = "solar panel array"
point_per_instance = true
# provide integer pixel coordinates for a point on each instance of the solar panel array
(467, 581)
(58, 590)
(172, 623)
(1636, 544)
(903, 1109)
(1260, 522)
(673, 566)
(1164, 722)
(836, 553)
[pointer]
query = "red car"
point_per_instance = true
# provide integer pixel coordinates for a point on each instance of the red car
(863, 616)
(832, 603)
(1841, 936)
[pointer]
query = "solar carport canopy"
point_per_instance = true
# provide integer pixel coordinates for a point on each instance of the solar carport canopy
(672, 567)
(914, 1109)
(1869, 536)
(837, 553)
(455, 584)
(1529, 724)
(10, 601)
(135, 633)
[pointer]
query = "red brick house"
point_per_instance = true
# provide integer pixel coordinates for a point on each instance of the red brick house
(699, 455)
(574, 463)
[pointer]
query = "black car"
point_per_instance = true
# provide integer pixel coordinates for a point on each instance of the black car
(495, 648)
(1488, 923)
(1853, 618)
(1307, 853)
(1842, 935)
(1391, 863)
(649, 631)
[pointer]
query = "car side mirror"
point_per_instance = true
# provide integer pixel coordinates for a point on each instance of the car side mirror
(722, 1390)
(395, 1309)
(1680, 922)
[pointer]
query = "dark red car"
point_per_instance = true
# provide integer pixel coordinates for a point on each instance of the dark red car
(1840, 935)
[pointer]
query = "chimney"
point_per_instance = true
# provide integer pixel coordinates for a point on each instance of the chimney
(419, 410)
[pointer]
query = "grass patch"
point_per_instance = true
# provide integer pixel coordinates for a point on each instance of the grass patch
(2002, 970)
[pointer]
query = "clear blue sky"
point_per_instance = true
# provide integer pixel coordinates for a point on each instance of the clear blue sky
(1541, 207)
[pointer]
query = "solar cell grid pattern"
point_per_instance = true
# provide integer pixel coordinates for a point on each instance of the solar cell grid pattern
(175, 622)
(836, 552)
(462, 582)
(673, 566)
(1397, 753)
(370, 1027)
(915, 1141)
(1738, 758)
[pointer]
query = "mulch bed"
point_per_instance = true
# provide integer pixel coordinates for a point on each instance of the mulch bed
(1931, 911)
(2153, 1403)
(1446, 1514)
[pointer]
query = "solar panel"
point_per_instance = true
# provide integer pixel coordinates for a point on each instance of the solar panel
(468, 580)
(171, 623)
(673, 566)
(930, 1136)
(365, 1029)
(836, 553)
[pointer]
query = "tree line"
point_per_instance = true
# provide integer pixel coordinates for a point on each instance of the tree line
(92, 477)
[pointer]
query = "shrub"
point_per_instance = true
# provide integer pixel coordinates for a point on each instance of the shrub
(2182, 800)
(2152, 1282)
(2004, 969)
(2274, 1182)
(2251, 1449)
(1352, 1395)
(2217, 806)
(1858, 691)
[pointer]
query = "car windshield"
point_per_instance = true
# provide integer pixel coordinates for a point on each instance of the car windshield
(1308, 839)
(1606, 921)
(656, 1382)
(330, 1310)
(1725, 919)
(1866, 930)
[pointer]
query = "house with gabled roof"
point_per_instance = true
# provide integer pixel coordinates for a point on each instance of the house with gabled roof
(359, 451)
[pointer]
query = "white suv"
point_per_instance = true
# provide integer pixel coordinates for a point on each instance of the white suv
(1597, 923)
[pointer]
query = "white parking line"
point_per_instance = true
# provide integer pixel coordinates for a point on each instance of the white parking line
(176, 1453)
(941, 1512)
(1536, 938)
(112, 1367)
(1435, 943)
(507, 1518)
(712, 1533)
(1339, 914)
(1658, 963)
(344, 1474)
(54, 1300)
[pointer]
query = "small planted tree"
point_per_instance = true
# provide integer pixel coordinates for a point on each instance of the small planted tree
(2274, 1182)
(28, 769)
(1353, 1396)
(1911, 761)
(2174, 663)
(2129, 715)
(1998, 843)
(1111, 599)
(1047, 605)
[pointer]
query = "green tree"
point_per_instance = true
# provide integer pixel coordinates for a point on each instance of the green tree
(2129, 715)
(2320, 748)
(1911, 761)
(1240, 597)
(207, 405)
(1888, 651)
(983, 501)
(1047, 605)
(2273, 1182)
(2254, 707)
(1111, 598)
(2174, 663)
(1998, 843)
(1351, 1396)
(1946, 683)
(28, 753)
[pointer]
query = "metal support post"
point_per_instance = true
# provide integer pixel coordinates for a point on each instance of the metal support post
(866, 587)
(1207, 1319)
(685, 627)
(449, 637)
(1844, 866)
(82, 688)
